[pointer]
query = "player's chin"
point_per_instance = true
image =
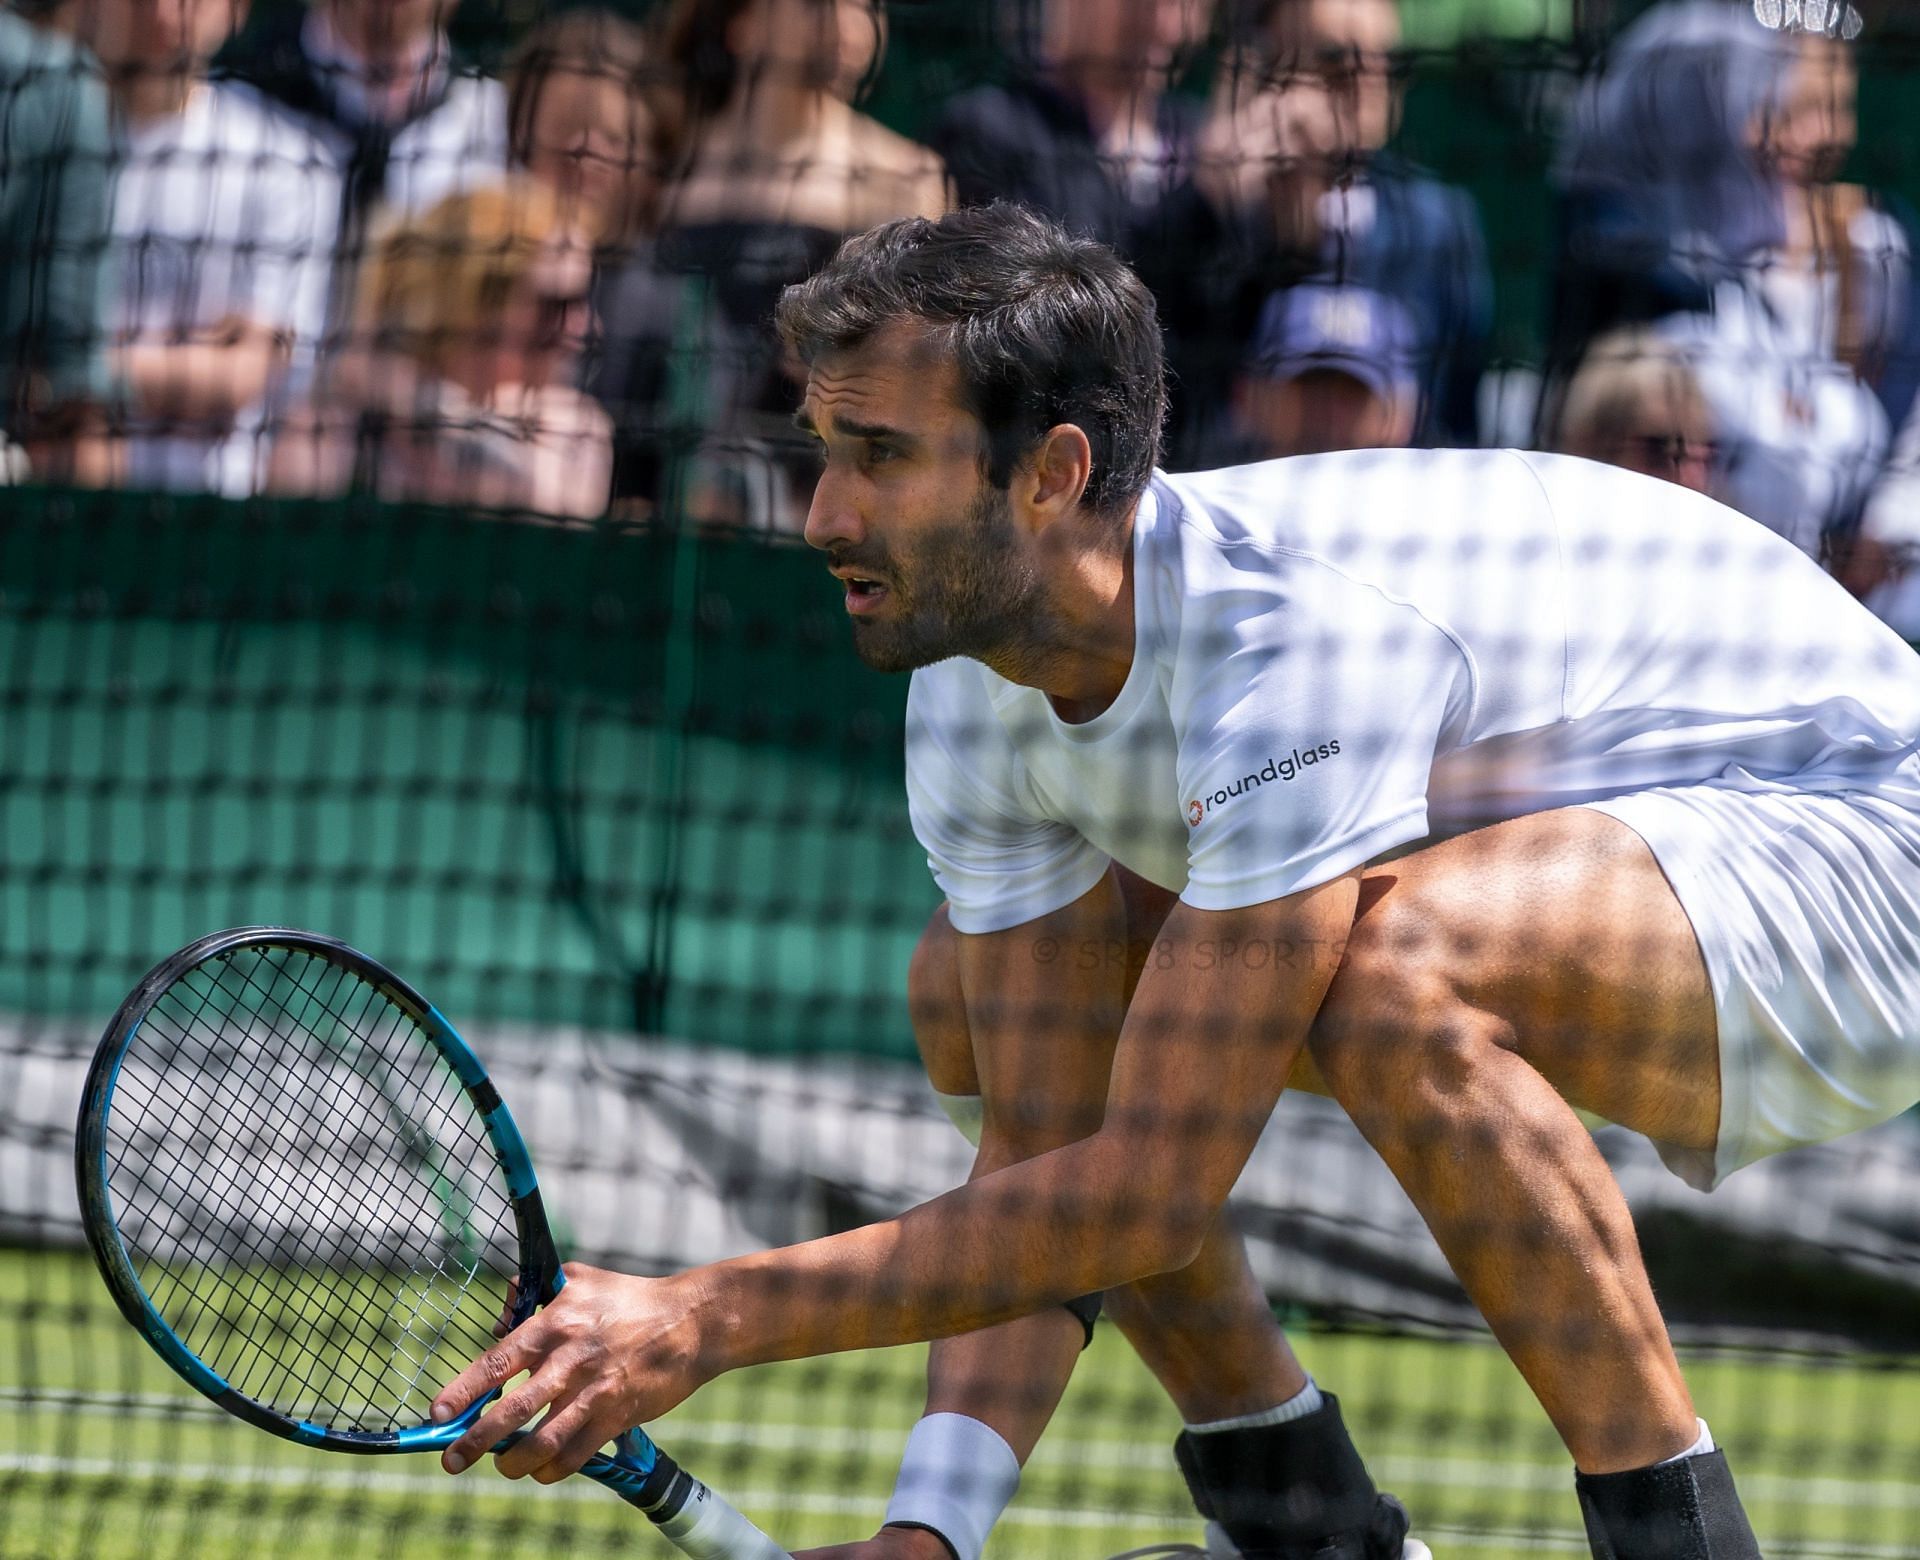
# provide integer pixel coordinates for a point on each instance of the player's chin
(892, 646)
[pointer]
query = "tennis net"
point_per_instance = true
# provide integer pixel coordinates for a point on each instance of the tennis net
(614, 791)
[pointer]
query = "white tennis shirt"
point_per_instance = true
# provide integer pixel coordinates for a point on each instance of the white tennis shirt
(1337, 655)
(228, 207)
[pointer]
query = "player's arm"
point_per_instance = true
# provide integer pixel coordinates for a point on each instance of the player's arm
(1202, 1057)
(1043, 1002)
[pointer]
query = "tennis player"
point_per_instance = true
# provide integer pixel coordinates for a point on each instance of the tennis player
(1478, 786)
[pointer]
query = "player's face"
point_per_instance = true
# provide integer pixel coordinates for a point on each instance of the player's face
(933, 561)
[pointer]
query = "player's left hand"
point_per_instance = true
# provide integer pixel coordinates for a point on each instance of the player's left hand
(610, 1352)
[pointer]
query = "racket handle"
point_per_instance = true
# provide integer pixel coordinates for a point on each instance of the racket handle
(690, 1516)
(705, 1527)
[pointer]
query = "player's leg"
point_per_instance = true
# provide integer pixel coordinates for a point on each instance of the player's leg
(1265, 1451)
(1009, 1376)
(1488, 982)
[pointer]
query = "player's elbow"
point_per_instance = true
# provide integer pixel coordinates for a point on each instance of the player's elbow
(1177, 1244)
(1155, 1214)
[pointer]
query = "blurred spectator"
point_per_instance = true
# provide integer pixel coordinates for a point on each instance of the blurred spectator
(223, 230)
(1695, 189)
(775, 139)
(457, 384)
(1704, 154)
(1635, 403)
(374, 79)
(1330, 368)
(1087, 131)
(1881, 564)
(589, 113)
(1801, 438)
(780, 168)
(1843, 279)
(594, 115)
(1292, 183)
(56, 289)
(1665, 193)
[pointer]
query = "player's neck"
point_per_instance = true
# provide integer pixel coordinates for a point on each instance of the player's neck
(1083, 660)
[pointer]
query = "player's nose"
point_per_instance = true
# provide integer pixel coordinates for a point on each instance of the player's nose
(832, 516)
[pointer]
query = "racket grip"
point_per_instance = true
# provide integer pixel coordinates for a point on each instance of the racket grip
(698, 1522)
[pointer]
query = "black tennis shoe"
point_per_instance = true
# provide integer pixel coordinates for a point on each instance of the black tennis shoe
(1292, 1491)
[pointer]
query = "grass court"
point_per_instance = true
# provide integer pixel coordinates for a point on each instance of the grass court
(103, 1453)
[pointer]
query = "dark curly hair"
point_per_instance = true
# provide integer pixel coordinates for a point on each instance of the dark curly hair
(1045, 328)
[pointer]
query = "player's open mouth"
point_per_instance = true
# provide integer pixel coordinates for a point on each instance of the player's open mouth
(864, 595)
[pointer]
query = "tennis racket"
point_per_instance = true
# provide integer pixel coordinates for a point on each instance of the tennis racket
(305, 1192)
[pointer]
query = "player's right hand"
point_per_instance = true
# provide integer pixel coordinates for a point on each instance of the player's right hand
(890, 1543)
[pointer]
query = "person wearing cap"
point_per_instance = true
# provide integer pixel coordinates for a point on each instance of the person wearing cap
(1330, 368)
(1294, 179)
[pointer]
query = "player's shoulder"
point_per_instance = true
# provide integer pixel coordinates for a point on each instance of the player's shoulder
(1607, 509)
(1343, 508)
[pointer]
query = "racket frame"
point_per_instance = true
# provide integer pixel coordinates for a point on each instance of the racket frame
(638, 1472)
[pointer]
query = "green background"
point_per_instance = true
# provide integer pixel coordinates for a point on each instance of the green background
(581, 776)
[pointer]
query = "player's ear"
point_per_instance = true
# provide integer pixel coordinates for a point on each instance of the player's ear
(1055, 478)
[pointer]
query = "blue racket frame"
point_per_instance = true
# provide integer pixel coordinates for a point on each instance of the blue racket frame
(639, 1472)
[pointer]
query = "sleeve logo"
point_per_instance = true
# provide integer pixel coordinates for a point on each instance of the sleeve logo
(1275, 769)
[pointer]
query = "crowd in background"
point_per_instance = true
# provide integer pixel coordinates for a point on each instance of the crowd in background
(311, 253)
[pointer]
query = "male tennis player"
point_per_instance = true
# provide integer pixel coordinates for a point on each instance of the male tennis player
(1686, 897)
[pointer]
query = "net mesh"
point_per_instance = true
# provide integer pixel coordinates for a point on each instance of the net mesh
(305, 1191)
(365, 582)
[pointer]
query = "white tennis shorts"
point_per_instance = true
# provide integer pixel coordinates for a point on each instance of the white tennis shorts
(1806, 904)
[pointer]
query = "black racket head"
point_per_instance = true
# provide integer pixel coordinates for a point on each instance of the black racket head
(302, 1188)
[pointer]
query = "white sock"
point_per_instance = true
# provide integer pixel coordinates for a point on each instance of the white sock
(1301, 1404)
(1700, 1447)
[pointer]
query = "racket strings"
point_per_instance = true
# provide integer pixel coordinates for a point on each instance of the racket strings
(364, 1340)
(224, 1182)
(306, 1190)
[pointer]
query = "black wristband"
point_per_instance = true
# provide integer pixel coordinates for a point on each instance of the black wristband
(1086, 1311)
(945, 1542)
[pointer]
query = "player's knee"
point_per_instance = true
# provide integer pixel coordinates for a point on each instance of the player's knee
(1396, 1014)
(937, 1007)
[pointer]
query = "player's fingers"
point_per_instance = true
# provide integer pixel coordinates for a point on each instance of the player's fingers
(567, 1437)
(513, 1410)
(508, 1306)
(519, 1350)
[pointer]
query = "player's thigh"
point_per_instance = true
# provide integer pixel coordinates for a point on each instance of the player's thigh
(936, 1000)
(937, 1009)
(1562, 929)
(937, 1004)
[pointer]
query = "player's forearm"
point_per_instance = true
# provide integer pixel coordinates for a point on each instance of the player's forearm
(1082, 1218)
